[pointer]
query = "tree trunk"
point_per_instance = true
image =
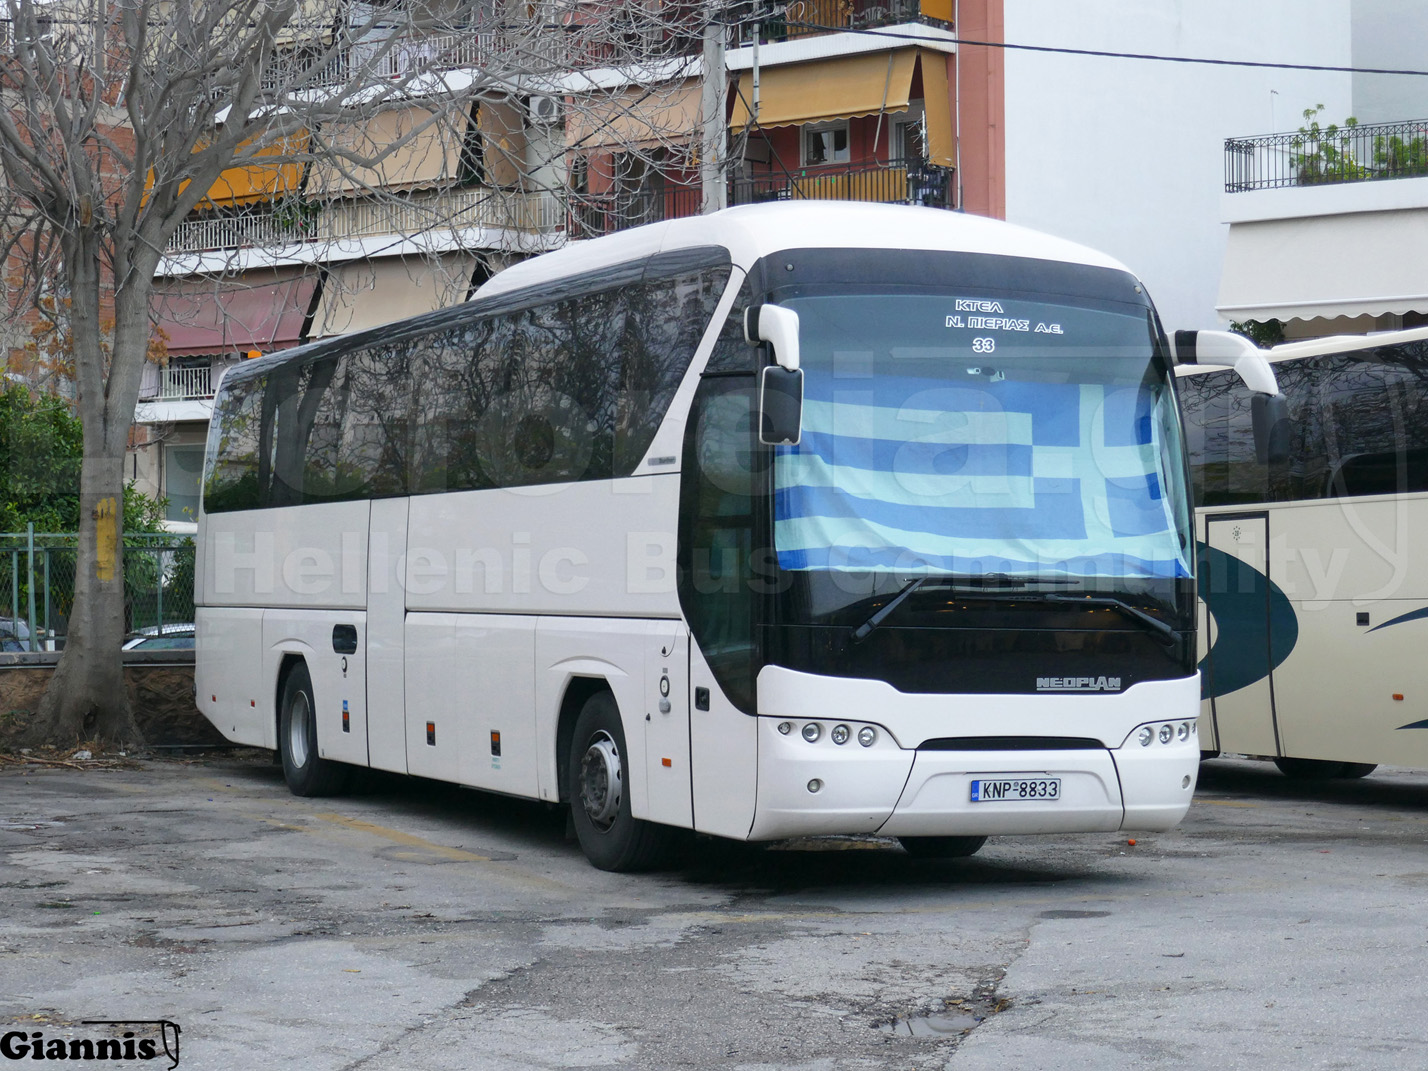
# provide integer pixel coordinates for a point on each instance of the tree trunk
(87, 699)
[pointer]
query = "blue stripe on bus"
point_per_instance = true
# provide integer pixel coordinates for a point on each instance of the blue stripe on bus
(1412, 615)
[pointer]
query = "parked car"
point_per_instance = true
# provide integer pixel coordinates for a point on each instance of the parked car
(178, 636)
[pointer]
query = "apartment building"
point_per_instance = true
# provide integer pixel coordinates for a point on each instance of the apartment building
(1095, 121)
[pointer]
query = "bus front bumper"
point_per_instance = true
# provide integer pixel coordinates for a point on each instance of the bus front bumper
(821, 788)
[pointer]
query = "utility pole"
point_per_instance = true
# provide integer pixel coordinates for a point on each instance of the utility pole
(713, 142)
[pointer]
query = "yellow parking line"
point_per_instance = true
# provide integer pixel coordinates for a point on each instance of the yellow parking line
(398, 837)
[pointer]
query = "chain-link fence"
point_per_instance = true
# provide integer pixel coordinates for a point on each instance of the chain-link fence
(37, 571)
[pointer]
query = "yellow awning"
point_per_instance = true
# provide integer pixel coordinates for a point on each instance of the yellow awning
(941, 144)
(411, 155)
(634, 116)
(833, 89)
(267, 175)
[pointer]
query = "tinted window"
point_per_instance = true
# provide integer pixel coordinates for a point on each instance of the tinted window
(716, 557)
(1359, 427)
(231, 464)
(1220, 440)
(664, 322)
(571, 389)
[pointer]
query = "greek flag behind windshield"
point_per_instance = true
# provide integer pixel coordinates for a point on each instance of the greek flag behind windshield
(905, 474)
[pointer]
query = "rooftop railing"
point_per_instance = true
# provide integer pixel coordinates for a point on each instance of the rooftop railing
(1316, 157)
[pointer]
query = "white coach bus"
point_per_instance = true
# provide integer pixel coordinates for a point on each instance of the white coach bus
(1312, 566)
(915, 561)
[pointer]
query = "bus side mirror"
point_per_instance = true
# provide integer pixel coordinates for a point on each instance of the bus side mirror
(781, 384)
(781, 406)
(1269, 415)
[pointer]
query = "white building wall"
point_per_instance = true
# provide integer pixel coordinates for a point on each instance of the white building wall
(1390, 34)
(1127, 155)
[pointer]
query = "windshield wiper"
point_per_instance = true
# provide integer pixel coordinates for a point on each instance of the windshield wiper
(978, 583)
(861, 632)
(1164, 632)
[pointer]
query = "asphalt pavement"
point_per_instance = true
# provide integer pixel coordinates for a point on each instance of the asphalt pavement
(416, 925)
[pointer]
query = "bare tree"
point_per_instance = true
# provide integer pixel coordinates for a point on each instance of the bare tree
(120, 117)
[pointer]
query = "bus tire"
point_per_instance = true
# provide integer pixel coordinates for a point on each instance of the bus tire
(306, 773)
(1310, 769)
(941, 847)
(1355, 770)
(598, 779)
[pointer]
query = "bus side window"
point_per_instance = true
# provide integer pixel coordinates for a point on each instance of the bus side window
(664, 322)
(231, 469)
(1219, 435)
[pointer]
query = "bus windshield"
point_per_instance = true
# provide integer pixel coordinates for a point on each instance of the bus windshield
(976, 436)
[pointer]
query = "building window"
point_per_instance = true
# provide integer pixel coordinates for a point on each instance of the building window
(909, 136)
(825, 143)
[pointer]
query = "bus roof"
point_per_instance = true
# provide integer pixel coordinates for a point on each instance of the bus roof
(750, 232)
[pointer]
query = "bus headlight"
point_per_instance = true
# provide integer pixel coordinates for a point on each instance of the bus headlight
(1182, 731)
(867, 736)
(812, 731)
(840, 734)
(1166, 732)
(1145, 736)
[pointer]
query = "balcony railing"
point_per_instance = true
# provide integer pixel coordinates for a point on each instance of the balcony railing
(804, 18)
(915, 182)
(177, 383)
(370, 217)
(1315, 158)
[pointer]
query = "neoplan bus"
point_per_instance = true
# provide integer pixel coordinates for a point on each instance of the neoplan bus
(1313, 569)
(916, 560)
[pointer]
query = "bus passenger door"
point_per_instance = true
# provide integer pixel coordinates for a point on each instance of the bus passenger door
(386, 627)
(667, 771)
(1239, 669)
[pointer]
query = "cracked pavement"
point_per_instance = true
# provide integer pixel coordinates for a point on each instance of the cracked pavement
(412, 924)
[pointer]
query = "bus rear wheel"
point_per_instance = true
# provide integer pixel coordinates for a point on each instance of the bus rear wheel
(306, 773)
(598, 780)
(1323, 769)
(941, 847)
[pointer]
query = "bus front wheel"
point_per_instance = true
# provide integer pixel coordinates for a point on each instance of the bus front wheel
(598, 780)
(941, 847)
(306, 773)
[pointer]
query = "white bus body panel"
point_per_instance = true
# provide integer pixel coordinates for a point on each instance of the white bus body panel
(897, 790)
(385, 636)
(559, 558)
(338, 681)
(726, 772)
(471, 675)
(230, 690)
(298, 557)
(1333, 695)
(628, 655)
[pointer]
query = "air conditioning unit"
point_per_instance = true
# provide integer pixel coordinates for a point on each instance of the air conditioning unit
(544, 109)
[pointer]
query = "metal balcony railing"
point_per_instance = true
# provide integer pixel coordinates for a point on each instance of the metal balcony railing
(912, 182)
(1355, 153)
(805, 18)
(374, 216)
(177, 383)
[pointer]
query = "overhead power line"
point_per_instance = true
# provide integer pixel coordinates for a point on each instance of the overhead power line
(1104, 54)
